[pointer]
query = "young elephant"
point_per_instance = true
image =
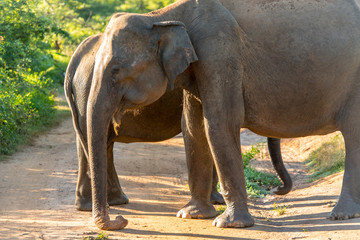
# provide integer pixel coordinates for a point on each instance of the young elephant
(156, 122)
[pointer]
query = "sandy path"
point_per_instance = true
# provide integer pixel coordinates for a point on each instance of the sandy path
(37, 187)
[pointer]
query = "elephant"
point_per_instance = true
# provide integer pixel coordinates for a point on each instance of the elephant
(156, 122)
(280, 68)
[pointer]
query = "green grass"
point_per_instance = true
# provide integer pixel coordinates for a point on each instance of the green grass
(101, 236)
(280, 209)
(328, 159)
(259, 184)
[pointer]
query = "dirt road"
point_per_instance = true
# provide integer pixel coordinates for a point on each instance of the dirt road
(37, 188)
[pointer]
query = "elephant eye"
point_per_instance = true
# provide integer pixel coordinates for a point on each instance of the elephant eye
(115, 69)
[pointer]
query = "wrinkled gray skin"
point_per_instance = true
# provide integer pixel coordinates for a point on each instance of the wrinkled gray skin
(156, 122)
(280, 68)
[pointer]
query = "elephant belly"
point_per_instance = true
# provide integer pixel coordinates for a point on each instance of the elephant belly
(296, 106)
(278, 128)
(293, 103)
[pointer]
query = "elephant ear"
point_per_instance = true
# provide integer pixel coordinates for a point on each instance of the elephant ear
(175, 48)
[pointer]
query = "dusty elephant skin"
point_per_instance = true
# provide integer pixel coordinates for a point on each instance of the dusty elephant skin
(282, 69)
(155, 122)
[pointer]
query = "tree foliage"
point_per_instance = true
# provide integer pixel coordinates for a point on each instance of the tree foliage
(25, 98)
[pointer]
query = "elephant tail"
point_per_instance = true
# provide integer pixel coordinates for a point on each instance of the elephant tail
(277, 161)
(70, 99)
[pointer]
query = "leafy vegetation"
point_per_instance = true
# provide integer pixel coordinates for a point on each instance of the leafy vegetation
(280, 209)
(220, 209)
(328, 159)
(26, 99)
(101, 236)
(82, 18)
(258, 184)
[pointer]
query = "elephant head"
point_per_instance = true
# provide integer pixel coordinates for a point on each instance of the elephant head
(139, 58)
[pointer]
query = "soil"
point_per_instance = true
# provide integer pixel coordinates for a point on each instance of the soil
(37, 193)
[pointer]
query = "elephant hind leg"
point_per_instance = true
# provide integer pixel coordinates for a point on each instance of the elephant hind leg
(215, 196)
(199, 162)
(348, 205)
(116, 196)
(83, 188)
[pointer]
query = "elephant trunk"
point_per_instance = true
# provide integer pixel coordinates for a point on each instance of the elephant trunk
(99, 113)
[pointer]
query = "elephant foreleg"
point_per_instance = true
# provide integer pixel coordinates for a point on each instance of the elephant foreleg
(199, 161)
(223, 114)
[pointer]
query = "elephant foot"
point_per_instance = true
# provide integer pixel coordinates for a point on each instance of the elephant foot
(117, 199)
(83, 204)
(216, 198)
(234, 218)
(197, 209)
(345, 209)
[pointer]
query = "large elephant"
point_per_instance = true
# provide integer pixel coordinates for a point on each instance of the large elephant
(279, 68)
(156, 122)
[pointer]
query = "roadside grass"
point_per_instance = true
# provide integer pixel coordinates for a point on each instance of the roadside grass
(328, 159)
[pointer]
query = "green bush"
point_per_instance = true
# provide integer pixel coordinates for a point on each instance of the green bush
(143, 6)
(25, 101)
(25, 91)
(82, 18)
